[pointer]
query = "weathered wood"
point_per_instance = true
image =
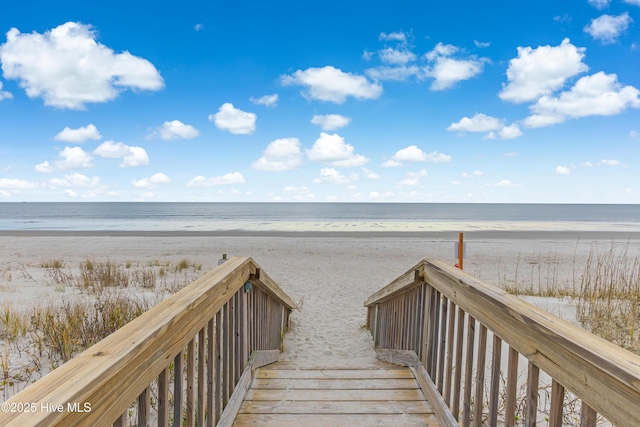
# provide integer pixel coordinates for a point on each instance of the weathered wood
(345, 374)
(557, 403)
(336, 407)
(602, 374)
(494, 391)
(231, 409)
(468, 372)
(177, 387)
(480, 369)
(219, 367)
(297, 420)
(334, 384)
(122, 420)
(202, 380)
(588, 416)
(449, 365)
(533, 381)
(443, 339)
(444, 416)
(190, 400)
(457, 384)
(130, 359)
(397, 357)
(144, 408)
(511, 389)
(163, 398)
(332, 395)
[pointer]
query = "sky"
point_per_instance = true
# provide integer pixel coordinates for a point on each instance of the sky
(461, 101)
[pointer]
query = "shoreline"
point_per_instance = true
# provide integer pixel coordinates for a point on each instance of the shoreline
(443, 234)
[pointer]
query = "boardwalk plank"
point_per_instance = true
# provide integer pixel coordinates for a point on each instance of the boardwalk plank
(334, 384)
(334, 373)
(293, 420)
(336, 407)
(278, 395)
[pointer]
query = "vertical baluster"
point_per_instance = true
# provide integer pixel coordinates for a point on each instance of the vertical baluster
(144, 408)
(443, 341)
(450, 341)
(219, 389)
(495, 381)
(225, 354)
(512, 384)
(177, 389)
(468, 371)
(588, 416)
(557, 403)
(123, 420)
(163, 398)
(458, 377)
(426, 328)
(202, 381)
(211, 392)
(191, 362)
(480, 368)
(532, 395)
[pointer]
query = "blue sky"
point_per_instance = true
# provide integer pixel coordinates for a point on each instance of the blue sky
(258, 101)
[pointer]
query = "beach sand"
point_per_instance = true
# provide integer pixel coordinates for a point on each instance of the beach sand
(330, 275)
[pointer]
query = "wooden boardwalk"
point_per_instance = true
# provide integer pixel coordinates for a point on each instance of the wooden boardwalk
(281, 394)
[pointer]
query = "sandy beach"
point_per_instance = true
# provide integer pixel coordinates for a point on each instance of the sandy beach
(330, 274)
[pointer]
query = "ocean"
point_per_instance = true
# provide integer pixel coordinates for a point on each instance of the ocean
(315, 216)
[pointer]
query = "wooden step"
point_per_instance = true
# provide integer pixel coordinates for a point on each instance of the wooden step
(283, 395)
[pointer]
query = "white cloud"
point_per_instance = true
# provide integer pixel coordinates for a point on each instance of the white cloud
(267, 100)
(397, 36)
(597, 95)
(505, 183)
(4, 94)
(198, 27)
(399, 73)
(296, 189)
(607, 28)
(131, 156)
(401, 56)
(481, 44)
(331, 149)
(68, 68)
(541, 71)
(80, 135)
(599, 4)
(226, 179)
(175, 129)
(633, 2)
(280, 155)
(73, 158)
(16, 184)
(413, 178)
(369, 174)
(330, 121)
(44, 167)
(510, 132)
(471, 175)
(391, 163)
(332, 176)
(152, 181)
(563, 170)
(415, 154)
(448, 71)
(332, 84)
(234, 120)
(478, 123)
(74, 180)
(611, 162)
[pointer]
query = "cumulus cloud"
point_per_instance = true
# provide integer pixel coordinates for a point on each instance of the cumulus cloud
(414, 154)
(74, 180)
(332, 176)
(131, 156)
(73, 158)
(505, 183)
(234, 120)
(398, 73)
(600, 4)
(332, 84)
(280, 155)
(633, 2)
(597, 95)
(478, 123)
(16, 184)
(447, 71)
(331, 149)
(151, 182)
(396, 56)
(563, 170)
(4, 94)
(480, 44)
(510, 132)
(44, 167)
(68, 68)
(267, 100)
(472, 174)
(175, 129)
(607, 28)
(396, 36)
(369, 174)
(330, 121)
(413, 178)
(80, 135)
(226, 179)
(541, 71)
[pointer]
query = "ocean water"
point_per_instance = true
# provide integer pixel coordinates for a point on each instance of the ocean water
(315, 216)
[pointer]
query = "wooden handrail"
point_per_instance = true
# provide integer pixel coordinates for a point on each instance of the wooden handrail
(425, 311)
(116, 371)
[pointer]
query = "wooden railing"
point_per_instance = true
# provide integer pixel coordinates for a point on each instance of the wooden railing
(447, 317)
(198, 342)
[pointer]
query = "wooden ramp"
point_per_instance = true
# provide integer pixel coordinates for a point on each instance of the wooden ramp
(281, 394)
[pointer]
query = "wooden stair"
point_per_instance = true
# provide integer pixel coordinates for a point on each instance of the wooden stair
(282, 395)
